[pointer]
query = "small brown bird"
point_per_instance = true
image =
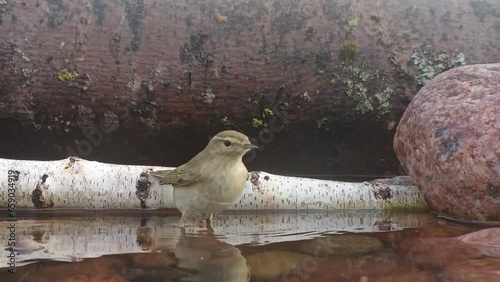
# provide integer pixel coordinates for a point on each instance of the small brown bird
(212, 180)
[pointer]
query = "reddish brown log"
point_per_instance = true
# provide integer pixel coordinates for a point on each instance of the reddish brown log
(157, 78)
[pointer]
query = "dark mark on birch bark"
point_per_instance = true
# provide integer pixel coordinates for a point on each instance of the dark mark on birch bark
(37, 197)
(72, 160)
(381, 191)
(143, 187)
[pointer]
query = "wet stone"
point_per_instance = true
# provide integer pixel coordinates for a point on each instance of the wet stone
(447, 141)
(486, 241)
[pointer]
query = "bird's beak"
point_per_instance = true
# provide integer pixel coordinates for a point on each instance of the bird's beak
(250, 146)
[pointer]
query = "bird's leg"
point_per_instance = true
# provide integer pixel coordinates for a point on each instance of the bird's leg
(209, 223)
(206, 222)
(209, 218)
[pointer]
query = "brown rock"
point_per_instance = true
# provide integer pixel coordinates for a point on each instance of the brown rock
(478, 270)
(448, 142)
(436, 252)
(486, 241)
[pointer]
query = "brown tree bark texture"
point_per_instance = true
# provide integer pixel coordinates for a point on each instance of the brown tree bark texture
(144, 81)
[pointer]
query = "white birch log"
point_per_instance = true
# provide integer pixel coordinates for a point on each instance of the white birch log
(81, 237)
(80, 184)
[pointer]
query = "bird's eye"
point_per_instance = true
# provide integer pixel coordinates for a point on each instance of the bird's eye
(227, 143)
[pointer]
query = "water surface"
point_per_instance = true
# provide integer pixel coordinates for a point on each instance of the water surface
(286, 246)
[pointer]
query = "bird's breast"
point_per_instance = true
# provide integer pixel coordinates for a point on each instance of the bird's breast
(225, 182)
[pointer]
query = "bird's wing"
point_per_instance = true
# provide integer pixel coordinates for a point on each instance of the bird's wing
(179, 176)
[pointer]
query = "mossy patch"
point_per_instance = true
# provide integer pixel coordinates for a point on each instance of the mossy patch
(64, 75)
(263, 121)
(208, 95)
(428, 64)
(417, 206)
(382, 99)
(353, 22)
(356, 89)
(358, 84)
(350, 51)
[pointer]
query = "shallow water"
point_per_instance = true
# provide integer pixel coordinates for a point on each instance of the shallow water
(286, 246)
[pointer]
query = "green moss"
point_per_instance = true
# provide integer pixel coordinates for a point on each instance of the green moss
(353, 22)
(64, 75)
(263, 121)
(268, 112)
(208, 95)
(356, 84)
(383, 98)
(356, 89)
(419, 206)
(349, 51)
(334, 79)
(357, 95)
(258, 123)
(429, 64)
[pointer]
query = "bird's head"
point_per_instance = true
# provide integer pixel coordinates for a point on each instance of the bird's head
(230, 143)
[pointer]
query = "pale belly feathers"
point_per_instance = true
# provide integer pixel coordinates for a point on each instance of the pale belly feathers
(217, 191)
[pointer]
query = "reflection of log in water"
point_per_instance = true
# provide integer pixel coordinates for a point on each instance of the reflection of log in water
(73, 238)
(195, 257)
(77, 183)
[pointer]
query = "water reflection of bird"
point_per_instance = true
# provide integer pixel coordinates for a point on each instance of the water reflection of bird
(199, 256)
(208, 259)
(212, 180)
